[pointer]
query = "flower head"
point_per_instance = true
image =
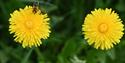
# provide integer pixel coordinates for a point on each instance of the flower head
(103, 28)
(29, 27)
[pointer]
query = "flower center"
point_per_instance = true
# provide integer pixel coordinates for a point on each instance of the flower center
(29, 24)
(103, 28)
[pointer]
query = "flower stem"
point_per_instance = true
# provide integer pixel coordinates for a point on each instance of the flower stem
(27, 56)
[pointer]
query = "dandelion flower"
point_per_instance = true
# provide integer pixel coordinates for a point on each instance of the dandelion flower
(29, 27)
(103, 28)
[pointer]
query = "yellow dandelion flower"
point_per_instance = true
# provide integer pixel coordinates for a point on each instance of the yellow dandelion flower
(102, 28)
(29, 27)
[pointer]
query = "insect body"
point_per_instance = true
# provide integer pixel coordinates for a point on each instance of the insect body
(35, 8)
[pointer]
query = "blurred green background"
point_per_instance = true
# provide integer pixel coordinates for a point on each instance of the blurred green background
(66, 43)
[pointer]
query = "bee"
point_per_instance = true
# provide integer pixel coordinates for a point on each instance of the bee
(35, 8)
